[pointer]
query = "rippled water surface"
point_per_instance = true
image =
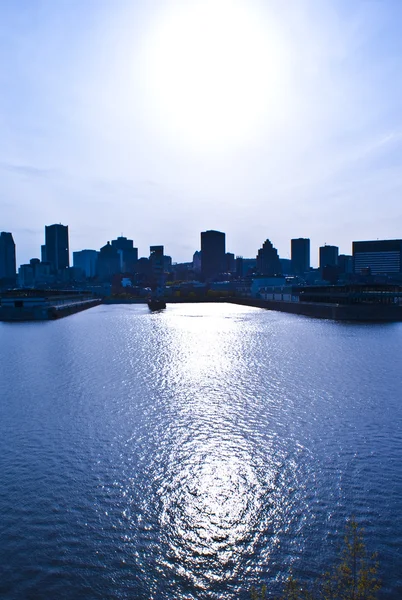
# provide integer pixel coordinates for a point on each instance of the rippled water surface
(194, 452)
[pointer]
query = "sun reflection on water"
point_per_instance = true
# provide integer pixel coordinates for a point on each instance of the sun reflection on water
(222, 484)
(211, 491)
(209, 506)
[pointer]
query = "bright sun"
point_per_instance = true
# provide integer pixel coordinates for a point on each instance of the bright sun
(213, 70)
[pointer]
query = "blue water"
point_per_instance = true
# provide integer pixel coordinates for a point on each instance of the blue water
(194, 452)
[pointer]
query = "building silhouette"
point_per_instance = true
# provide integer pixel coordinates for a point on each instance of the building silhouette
(300, 255)
(329, 256)
(167, 263)
(26, 276)
(268, 263)
(156, 259)
(36, 273)
(143, 270)
(108, 262)
(7, 259)
(197, 261)
(245, 267)
(56, 247)
(128, 254)
(345, 264)
(213, 254)
(230, 266)
(87, 261)
(380, 257)
(286, 266)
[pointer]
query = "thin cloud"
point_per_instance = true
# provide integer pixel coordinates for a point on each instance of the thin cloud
(27, 170)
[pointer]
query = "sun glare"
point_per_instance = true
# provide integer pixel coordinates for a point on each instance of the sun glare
(213, 70)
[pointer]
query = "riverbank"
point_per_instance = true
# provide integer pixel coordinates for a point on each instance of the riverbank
(336, 312)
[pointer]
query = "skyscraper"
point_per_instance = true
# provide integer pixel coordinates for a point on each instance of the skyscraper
(7, 257)
(87, 261)
(300, 255)
(128, 254)
(268, 260)
(108, 263)
(328, 256)
(230, 266)
(156, 259)
(345, 264)
(56, 242)
(197, 261)
(213, 253)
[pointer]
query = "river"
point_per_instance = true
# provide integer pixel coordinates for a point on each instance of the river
(194, 452)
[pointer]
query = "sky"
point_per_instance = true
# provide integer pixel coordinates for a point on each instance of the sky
(158, 119)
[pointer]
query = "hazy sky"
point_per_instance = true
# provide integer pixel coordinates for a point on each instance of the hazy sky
(158, 119)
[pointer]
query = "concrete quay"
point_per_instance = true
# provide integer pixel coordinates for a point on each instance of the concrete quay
(43, 305)
(339, 312)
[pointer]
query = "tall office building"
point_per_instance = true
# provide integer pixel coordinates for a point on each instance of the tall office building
(286, 266)
(380, 256)
(108, 263)
(156, 258)
(197, 261)
(245, 267)
(230, 263)
(56, 247)
(167, 263)
(123, 243)
(7, 257)
(213, 253)
(128, 254)
(87, 261)
(300, 255)
(345, 264)
(268, 263)
(329, 256)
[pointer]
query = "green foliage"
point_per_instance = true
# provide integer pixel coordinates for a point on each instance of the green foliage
(259, 595)
(354, 577)
(293, 591)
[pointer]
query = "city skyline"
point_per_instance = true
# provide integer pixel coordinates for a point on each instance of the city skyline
(313, 261)
(300, 138)
(36, 249)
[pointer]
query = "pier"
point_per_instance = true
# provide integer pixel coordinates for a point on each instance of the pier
(43, 305)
